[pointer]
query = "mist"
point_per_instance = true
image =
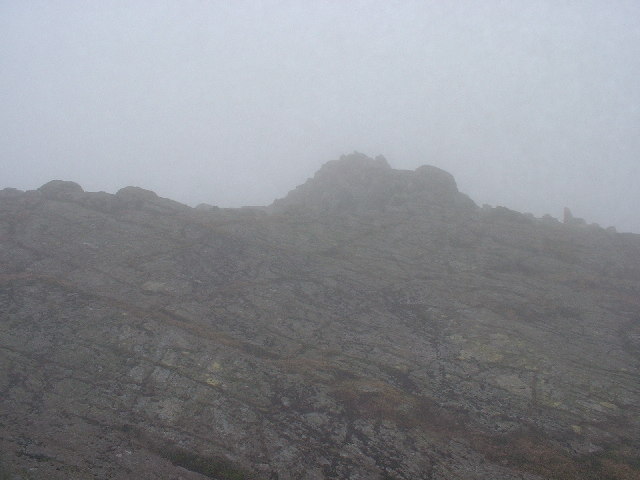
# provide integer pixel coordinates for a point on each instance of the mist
(530, 105)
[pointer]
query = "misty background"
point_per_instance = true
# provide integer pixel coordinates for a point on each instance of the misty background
(533, 105)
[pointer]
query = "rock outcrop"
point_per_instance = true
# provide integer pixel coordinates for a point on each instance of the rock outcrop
(61, 190)
(357, 183)
(375, 324)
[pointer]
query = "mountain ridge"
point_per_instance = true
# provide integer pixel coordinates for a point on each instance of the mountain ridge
(400, 331)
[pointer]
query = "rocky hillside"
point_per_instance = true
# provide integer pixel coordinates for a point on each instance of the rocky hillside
(372, 324)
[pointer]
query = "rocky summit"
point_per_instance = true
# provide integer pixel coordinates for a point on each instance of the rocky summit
(373, 324)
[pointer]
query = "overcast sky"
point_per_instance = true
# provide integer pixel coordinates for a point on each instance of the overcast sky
(534, 105)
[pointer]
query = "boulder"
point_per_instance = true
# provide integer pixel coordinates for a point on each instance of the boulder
(205, 207)
(61, 190)
(136, 194)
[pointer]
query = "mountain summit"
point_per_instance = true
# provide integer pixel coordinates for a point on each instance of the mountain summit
(374, 323)
(358, 183)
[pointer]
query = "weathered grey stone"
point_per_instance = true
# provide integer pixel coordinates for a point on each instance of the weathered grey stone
(205, 207)
(102, 201)
(383, 333)
(136, 194)
(357, 183)
(10, 192)
(61, 190)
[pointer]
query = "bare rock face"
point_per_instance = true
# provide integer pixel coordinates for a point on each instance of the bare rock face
(375, 325)
(357, 183)
(136, 194)
(60, 190)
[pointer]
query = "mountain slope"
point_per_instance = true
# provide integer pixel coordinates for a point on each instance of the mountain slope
(374, 323)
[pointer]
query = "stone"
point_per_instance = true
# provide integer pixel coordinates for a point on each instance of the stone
(10, 192)
(61, 190)
(569, 219)
(374, 323)
(102, 201)
(205, 207)
(136, 194)
(357, 183)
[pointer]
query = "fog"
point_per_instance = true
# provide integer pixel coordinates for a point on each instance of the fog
(533, 105)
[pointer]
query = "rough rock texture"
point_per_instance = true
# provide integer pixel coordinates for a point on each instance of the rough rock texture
(375, 324)
(356, 183)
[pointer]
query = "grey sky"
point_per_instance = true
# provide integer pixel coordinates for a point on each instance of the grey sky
(534, 105)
